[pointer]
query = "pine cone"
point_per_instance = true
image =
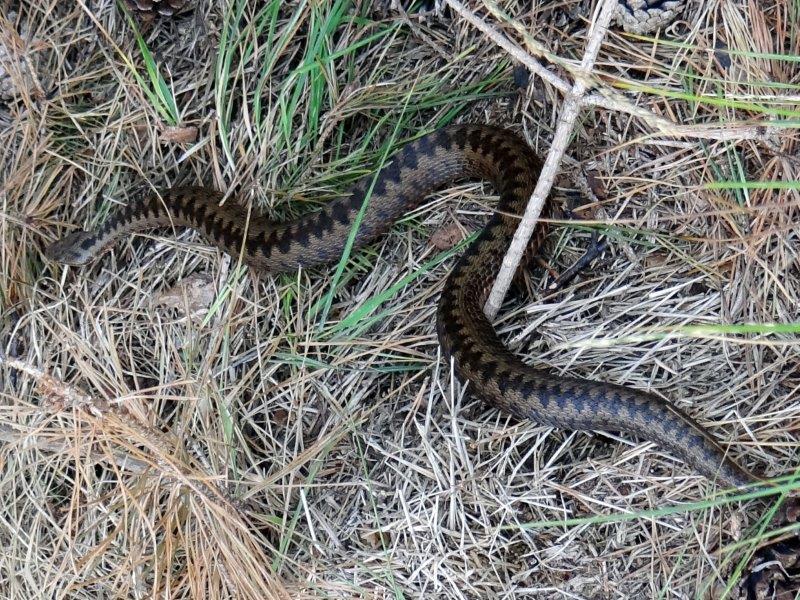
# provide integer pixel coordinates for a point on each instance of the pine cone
(644, 17)
(149, 9)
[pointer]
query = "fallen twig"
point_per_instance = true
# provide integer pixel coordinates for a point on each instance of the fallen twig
(559, 145)
(604, 97)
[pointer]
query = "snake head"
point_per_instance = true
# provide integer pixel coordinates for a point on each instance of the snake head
(76, 249)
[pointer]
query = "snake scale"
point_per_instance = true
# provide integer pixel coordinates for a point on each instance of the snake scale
(494, 373)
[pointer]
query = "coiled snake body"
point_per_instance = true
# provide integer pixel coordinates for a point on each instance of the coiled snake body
(465, 334)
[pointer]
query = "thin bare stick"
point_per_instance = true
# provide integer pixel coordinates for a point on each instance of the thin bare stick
(605, 97)
(559, 145)
(54, 389)
(515, 51)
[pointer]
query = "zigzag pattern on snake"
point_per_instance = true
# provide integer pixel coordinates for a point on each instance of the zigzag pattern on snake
(465, 334)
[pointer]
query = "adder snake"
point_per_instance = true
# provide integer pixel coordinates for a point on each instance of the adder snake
(465, 334)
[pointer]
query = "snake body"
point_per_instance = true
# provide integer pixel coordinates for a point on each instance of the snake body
(465, 334)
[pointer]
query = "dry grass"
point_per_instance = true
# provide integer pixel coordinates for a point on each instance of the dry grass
(211, 432)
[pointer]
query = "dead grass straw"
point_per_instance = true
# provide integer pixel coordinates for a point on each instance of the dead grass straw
(235, 440)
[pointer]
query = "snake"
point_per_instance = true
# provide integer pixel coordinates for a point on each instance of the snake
(466, 336)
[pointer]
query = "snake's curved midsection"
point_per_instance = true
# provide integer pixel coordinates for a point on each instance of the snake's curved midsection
(465, 334)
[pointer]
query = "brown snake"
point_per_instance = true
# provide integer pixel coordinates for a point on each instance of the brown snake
(465, 334)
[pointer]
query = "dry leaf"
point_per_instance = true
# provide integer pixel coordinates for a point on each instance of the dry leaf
(179, 135)
(447, 236)
(195, 293)
(596, 185)
(377, 539)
